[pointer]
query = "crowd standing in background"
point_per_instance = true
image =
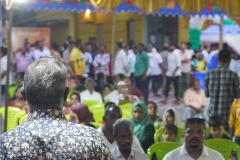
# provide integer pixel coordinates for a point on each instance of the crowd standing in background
(127, 77)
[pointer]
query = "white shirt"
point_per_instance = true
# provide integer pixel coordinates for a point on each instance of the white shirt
(86, 96)
(186, 66)
(120, 64)
(181, 153)
(101, 63)
(206, 56)
(88, 58)
(132, 57)
(155, 60)
(174, 61)
(115, 97)
(135, 144)
(134, 155)
(3, 68)
(41, 54)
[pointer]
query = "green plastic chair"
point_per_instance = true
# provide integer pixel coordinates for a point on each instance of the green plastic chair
(90, 103)
(23, 119)
(161, 149)
(68, 117)
(223, 146)
(97, 111)
(159, 138)
(126, 114)
(14, 115)
(11, 91)
(158, 125)
(126, 106)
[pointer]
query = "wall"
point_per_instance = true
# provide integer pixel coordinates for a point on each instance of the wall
(183, 23)
(86, 30)
(60, 31)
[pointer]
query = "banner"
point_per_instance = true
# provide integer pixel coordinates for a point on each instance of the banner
(21, 35)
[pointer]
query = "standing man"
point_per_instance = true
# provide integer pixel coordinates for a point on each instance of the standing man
(21, 62)
(164, 55)
(222, 86)
(193, 148)
(41, 51)
(141, 69)
(101, 61)
(156, 69)
(173, 72)
(66, 54)
(77, 62)
(88, 59)
(185, 56)
(47, 134)
(120, 64)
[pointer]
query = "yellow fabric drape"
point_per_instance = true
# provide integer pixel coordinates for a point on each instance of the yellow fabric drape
(232, 7)
(106, 4)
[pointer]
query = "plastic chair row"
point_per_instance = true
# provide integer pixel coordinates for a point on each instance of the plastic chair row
(14, 116)
(223, 146)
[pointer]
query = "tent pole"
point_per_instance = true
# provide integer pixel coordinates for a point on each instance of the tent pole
(9, 33)
(1, 31)
(113, 39)
(221, 33)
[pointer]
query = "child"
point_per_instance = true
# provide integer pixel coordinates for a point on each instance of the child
(216, 125)
(201, 64)
(170, 133)
(152, 113)
(234, 120)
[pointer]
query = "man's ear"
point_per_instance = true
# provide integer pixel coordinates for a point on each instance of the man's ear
(23, 94)
(66, 92)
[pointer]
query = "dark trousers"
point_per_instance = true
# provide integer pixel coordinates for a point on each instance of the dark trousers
(142, 85)
(184, 83)
(175, 85)
(3, 90)
(156, 82)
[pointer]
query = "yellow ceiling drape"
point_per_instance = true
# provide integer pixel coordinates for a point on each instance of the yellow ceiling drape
(232, 7)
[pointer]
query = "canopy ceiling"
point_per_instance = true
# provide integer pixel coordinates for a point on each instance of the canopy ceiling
(231, 7)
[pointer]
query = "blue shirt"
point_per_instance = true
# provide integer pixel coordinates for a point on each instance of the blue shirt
(48, 135)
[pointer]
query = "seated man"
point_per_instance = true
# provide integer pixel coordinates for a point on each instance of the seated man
(133, 90)
(123, 135)
(90, 94)
(193, 147)
(121, 95)
(113, 113)
(216, 125)
(195, 101)
(170, 133)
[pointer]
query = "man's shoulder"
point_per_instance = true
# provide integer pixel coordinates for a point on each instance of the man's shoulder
(173, 153)
(213, 153)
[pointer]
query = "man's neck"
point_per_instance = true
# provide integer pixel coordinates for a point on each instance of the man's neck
(91, 91)
(194, 153)
(125, 153)
(108, 133)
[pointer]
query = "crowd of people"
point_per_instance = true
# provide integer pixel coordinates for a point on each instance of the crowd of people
(88, 73)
